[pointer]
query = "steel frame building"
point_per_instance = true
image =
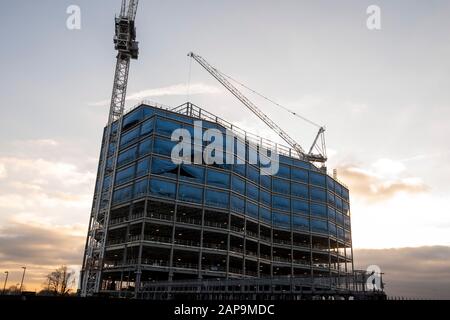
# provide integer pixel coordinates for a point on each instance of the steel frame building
(221, 222)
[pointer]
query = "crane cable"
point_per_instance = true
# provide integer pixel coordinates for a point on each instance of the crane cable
(270, 100)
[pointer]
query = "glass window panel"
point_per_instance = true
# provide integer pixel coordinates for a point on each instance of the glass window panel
(281, 203)
(106, 183)
(319, 226)
(126, 156)
(164, 147)
(265, 214)
(345, 207)
(299, 190)
(281, 220)
(300, 206)
(252, 209)
(192, 173)
(112, 148)
(218, 178)
(284, 171)
(124, 175)
(318, 210)
(140, 188)
(331, 214)
(266, 182)
(302, 164)
(217, 198)
(121, 195)
(143, 167)
(300, 175)
(317, 179)
(330, 184)
(332, 228)
(286, 160)
(339, 218)
(345, 193)
(148, 112)
(331, 200)
(164, 167)
(145, 147)
(252, 191)
(237, 204)
(280, 186)
(318, 194)
(147, 127)
(348, 236)
(162, 188)
(339, 203)
(132, 118)
(190, 193)
(166, 127)
(129, 137)
(265, 198)
(338, 189)
(238, 185)
(240, 169)
(253, 174)
(341, 234)
(300, 223)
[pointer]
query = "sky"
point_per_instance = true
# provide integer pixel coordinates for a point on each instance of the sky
(382, 95)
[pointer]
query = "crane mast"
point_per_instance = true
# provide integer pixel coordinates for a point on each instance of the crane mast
(127, 48)
(250, 105)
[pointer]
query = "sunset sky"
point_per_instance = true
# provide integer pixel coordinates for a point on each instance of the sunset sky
(382, 95)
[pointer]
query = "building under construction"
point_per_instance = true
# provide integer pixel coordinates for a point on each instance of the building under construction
(162, 229)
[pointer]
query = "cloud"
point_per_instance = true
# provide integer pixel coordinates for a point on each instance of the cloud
(380, 181)
(40, 246)
(421, 272)
(3, 173)
(173, 90)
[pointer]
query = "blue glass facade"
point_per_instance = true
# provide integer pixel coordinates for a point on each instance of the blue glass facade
(179, 221)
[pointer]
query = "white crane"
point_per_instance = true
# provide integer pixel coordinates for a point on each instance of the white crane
(127, 48)
(310, 156)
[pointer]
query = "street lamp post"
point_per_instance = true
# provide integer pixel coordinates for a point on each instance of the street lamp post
(23, 276)
(6, 280)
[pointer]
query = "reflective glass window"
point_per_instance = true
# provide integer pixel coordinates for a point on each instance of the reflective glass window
(345, 193)
(121, 195)
(318, 210)
(132, 118)
(124, 175)
(281, 220)
(164, 167)
(147, 127)
(266, 181)
(300, 175)
(240, 169)
(143, 167)
(126, 156)
(129, 137)
(300, 223)
(265, 214)
(162, 188)
(252, 174)
(284, 171)
(192, 173)
(281, 203)
(265, 198)
(340, 233)
(252, 209)
(339, 219)
(338, 189)
(301, 164)
(218, 178)
(332, 228)
(339, 203)
(164, 147)
(317, 179)
(319, 226)
(300, 206)
(330, 184)
(166, 127)
(237, 204)
(145, 147)
(238, 185)
(331, 213)
(252, 191)
(217, 198)
(140, 188)
(318, 194)
(299, 190)
(280, 186)
(331, 200)
(190, 193)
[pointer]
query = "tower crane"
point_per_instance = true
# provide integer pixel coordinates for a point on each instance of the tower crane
(127, 48)
(320, 156)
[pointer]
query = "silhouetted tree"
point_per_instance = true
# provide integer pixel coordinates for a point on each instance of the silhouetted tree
(60, 281)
